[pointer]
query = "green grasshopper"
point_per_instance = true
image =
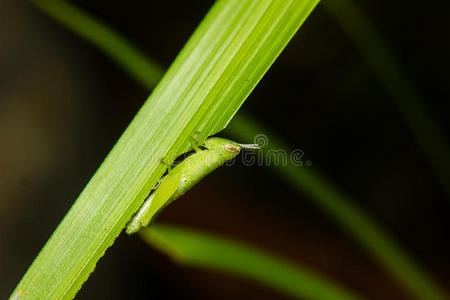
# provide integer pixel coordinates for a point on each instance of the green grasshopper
(184, 176)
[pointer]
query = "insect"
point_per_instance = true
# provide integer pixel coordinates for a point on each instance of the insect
(184, 176)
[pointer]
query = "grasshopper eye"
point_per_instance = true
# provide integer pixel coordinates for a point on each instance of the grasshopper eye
(231, 148)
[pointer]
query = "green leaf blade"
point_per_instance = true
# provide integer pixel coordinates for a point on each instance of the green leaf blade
(325, 195)
(202, 90)
(198, 249)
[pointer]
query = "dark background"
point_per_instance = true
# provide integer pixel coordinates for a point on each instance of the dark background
(63, 105)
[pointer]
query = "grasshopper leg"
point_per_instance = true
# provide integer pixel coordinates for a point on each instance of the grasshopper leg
(140, 219)
(194, 141)
(164, 161)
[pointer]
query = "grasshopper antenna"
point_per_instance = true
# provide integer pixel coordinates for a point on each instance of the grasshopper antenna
(250, 146)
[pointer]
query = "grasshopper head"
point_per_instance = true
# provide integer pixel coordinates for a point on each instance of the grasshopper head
(226, 148)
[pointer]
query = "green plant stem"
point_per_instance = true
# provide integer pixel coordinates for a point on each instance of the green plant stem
(141, 67)
(343, 209)
(219, 66)
(401, 90)
(198, 249)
